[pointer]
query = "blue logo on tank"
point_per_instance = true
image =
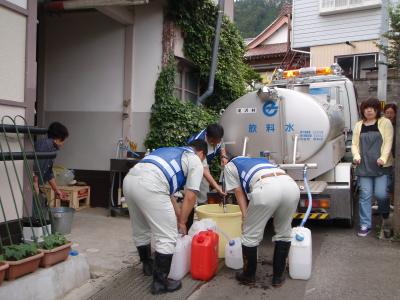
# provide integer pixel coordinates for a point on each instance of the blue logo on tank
(270, 108)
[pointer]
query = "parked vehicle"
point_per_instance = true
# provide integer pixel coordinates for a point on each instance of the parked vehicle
(305, 116)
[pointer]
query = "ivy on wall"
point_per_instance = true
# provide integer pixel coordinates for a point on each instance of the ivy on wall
(197, 19)
(173, 121)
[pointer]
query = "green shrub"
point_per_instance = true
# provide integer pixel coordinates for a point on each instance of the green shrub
(18, 252)
(53, 241)
(173, 121)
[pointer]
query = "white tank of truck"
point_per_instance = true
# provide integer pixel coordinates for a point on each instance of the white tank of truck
(302, 120)
(271, 119)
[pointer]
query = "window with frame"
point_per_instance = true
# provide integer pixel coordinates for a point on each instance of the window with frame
(186, 83)
(335, 6)
(357, 66)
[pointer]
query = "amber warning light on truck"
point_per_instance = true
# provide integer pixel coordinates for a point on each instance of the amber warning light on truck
(311, 71)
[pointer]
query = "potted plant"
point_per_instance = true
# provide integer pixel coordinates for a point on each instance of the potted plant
(23, 259)
(55, 248)
(3, 267)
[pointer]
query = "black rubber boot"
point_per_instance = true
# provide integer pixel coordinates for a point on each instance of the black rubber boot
(248, 275)
(145, 258)
(279, 264)
(161, 283)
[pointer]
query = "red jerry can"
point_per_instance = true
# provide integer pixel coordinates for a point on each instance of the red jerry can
(204, 257)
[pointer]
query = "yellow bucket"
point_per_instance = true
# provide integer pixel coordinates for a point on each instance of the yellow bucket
(229, 223)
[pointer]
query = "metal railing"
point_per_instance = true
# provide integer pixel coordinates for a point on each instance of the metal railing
(23, 134)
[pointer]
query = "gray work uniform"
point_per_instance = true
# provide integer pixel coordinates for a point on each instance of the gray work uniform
(276, 196)
(147, 194)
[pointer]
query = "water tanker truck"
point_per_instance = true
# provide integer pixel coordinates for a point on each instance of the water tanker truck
(305, 116)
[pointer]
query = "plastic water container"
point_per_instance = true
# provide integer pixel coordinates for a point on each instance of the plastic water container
(202, 225)
(233, 254)
(180, 265)
(204, 257)
(300, 254)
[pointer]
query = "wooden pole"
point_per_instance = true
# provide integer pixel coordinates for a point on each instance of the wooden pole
(396, 200)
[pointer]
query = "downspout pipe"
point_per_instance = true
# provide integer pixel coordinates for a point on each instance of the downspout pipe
(214, 60)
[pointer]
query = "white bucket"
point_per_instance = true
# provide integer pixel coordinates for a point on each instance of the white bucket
(38, 232)
(233, 254)
(180, 264)
(300, 254)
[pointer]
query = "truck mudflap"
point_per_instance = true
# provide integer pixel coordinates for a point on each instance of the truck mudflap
(313, 216)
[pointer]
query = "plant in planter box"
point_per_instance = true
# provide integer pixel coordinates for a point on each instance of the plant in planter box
(55, 248)
(18, 252)
(3, 267)
(53, 241)
(22, 258)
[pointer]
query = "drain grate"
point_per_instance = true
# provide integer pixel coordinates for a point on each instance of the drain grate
(131, 284)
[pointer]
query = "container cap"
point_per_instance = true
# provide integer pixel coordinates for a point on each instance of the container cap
(231, 243)
(200, 238)
(299, 237)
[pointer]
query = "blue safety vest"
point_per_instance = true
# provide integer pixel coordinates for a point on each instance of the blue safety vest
(169, 160)
(248, 166)
(202, 136)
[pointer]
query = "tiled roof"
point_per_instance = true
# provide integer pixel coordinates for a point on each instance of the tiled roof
(266, 50)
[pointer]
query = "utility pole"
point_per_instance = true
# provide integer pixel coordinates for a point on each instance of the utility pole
(382, 66)
(396, 200)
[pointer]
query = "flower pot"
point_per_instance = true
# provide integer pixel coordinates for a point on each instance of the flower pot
(54, 256)
(3, 267)
(24, 266)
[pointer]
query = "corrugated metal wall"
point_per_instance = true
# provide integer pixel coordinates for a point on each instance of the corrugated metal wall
(312, 29)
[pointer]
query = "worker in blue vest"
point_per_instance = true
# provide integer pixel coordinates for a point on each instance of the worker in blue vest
(270, 192)
(212, 135)
(148, 190)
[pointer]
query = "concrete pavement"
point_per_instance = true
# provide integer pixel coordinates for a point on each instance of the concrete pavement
(345, 266)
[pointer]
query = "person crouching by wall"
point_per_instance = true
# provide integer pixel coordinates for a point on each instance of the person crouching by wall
(371, 149)
(57, 133)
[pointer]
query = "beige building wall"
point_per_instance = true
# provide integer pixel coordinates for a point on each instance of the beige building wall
(12, 89)
(322, 56)
(12, 55)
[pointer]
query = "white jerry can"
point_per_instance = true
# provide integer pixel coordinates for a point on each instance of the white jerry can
(300, 254)
(180, 264)
(202, 225)
(233, 254)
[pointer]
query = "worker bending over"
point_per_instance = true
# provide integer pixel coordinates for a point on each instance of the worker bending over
(148, 188)
(212, 135)
(271, 192)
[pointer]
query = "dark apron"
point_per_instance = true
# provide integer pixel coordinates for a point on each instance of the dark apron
(370, 149)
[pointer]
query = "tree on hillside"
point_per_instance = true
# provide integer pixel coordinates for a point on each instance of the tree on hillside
(253, 16)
